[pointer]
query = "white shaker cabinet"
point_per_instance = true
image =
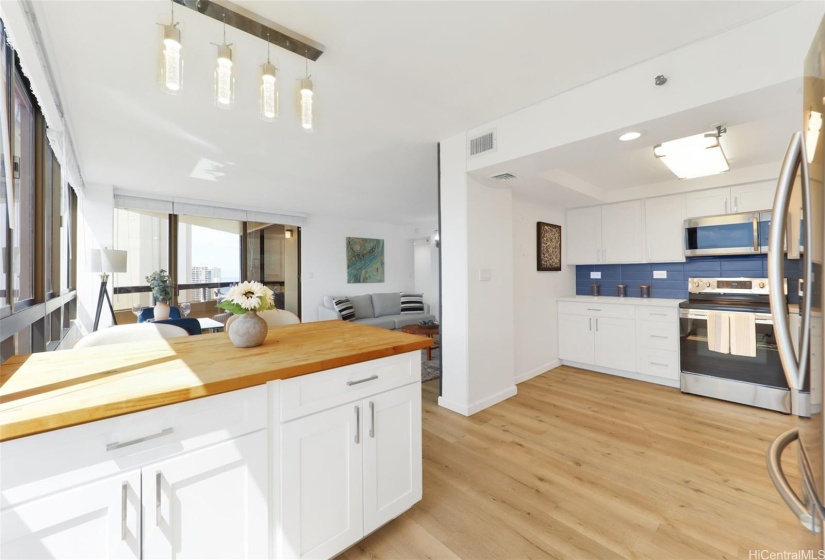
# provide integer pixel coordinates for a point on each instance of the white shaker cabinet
(584, 235)
(622, 230)
(598, 334)
(664, 228)
(100, 519)
(752, 197)
(346, 469)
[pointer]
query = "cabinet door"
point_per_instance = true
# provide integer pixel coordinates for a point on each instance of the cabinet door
(615, 345)
(664, 228)
(392, 454)
(753, 198)
(584, 235)
(96, 520)
(622, 230)
(320, 491)
(707, 203)
(576, 338)
(210, 503)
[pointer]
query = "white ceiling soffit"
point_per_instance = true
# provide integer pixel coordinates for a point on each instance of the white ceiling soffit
(395, 79)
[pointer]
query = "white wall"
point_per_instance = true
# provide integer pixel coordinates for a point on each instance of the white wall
(535, 331)
(324, 259)
(426, 272)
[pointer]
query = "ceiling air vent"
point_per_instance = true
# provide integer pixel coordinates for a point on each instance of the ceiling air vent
(482, 144)
(503, 177)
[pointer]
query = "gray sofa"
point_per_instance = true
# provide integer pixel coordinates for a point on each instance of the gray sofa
(378, 310)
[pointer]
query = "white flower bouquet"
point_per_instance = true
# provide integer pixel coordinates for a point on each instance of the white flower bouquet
(248, 296)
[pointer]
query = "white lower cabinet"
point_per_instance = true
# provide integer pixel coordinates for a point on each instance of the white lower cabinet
(348, 470)
(639, 341)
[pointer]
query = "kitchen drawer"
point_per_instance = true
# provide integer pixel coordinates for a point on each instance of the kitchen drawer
(106, 447)
(308, 394)
(660, 314)
(617, 311)
(658, 363)
(660, 336)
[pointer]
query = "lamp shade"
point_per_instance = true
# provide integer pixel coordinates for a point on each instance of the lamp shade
(112, 260)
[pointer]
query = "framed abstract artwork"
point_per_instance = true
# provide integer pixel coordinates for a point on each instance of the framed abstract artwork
(365, 260)
(548, 247)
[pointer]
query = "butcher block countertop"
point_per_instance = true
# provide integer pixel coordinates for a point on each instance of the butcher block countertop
(51, 390)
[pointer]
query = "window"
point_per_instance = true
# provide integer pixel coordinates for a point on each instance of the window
(144, 235)
(23, 191)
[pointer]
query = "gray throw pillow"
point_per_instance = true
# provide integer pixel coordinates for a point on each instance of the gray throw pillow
(362, 306)
(386, 304)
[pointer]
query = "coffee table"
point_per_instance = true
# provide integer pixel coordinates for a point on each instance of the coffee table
(430, 331)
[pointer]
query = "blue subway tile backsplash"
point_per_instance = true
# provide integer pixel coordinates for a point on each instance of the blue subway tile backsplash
(675, 285)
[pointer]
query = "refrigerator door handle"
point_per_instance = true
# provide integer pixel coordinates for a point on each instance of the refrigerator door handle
(776, 262)
(774, 460)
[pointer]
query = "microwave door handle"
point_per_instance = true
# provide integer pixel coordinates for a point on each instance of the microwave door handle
(756, 233)
(786, 491)
(776, 262)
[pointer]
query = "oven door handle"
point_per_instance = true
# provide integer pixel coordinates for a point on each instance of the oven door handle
(786, 491)
(793, 365)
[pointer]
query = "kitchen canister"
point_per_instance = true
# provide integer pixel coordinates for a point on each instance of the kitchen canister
(645, 290)
(596, 290)
(621, 290)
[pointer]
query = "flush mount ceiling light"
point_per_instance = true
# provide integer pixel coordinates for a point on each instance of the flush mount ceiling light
(171, 58)
(628, 136)
(694, 156)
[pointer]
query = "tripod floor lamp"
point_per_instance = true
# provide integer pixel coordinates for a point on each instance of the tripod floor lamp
(104, 262)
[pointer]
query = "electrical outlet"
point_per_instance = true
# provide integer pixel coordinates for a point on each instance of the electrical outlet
(660, 273)
(484, 274)
(596, 275)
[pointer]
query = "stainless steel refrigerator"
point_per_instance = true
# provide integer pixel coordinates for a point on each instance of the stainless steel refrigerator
(801, 182)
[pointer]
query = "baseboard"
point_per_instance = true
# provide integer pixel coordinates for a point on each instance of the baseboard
(478, 406)
(537, 371)
(628, 374)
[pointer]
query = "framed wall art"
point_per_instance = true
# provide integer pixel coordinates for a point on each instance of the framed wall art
(548, 247)
(365, 260)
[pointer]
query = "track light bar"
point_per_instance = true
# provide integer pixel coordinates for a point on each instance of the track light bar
(249, 22)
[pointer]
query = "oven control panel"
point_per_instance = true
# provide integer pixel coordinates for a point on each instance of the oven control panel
(730, 286)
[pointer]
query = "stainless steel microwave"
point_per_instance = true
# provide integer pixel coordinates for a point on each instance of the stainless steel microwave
(729, 234)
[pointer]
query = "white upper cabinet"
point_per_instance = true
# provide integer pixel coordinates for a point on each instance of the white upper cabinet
(584, 235)
(622, 230)
(730, 200)
(664, 231)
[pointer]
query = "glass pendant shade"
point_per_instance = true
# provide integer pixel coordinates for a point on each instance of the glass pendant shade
(171, 61)
(307, 122)
(269, 92)
(224, 78)
(694, 156)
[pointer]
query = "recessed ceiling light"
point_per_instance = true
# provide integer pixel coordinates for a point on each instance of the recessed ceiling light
(628, 136)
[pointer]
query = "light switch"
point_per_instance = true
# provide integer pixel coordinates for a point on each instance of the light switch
(596, 275)
(484, 274)
(660, 273)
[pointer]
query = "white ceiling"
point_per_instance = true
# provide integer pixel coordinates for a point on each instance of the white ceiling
(395, 79)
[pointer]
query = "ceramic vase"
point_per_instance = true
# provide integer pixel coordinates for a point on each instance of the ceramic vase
(248, 330)
(161, 311)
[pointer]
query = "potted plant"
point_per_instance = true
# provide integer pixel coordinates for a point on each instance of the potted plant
(246, 299)
(161, 287)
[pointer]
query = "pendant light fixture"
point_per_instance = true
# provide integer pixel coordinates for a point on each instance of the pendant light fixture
(307, 94)
(224, 74)
(170, 75)
(269, 88)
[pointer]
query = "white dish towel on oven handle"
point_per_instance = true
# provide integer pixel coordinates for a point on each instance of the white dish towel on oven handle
(743, 334)
(719, 332)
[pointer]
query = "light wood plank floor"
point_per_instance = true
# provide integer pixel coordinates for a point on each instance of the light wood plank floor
(586, 465)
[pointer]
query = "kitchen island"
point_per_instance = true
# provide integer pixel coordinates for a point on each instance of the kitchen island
(192, 447)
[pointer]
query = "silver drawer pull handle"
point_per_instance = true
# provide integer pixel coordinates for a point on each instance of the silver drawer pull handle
(590, 309)
(660, 314)
(118, 445)
(658, 336)
(370, 378)
(658, 364)
(124, 499)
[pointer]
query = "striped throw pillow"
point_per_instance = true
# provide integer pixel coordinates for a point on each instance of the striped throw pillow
(345, 308)
(412, 303)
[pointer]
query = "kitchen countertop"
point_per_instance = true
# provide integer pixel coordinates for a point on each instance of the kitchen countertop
(51, 390)
(655, 302)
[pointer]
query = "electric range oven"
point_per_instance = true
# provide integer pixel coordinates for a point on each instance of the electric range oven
(757, 381)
